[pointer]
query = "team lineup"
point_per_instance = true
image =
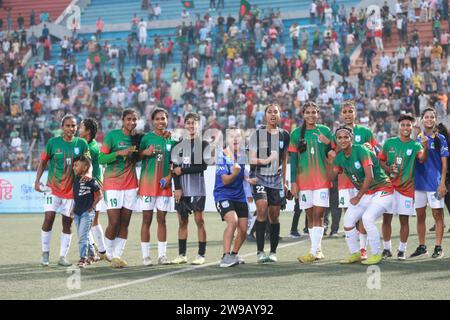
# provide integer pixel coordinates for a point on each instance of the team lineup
(399, 178)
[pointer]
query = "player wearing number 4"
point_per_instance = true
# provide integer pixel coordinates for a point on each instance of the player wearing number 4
(268, 157)
(155, 184)
(374, 195)
(59, 154)
(429, 183)
(119, 155)
(190, 162)
(308, 150)
(398, 159)
(361, 135)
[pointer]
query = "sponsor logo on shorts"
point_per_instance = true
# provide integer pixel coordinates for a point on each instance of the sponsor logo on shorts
(408, 204)
(186, 160)
(323, 196)
(282, 193)
(225, 204)
(281, 144)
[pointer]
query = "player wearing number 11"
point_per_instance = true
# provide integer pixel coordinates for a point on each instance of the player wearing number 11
(59, 154)
(308, 149)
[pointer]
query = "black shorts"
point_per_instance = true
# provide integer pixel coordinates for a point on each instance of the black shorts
(274, 197)
(187, 205)
(225, 206)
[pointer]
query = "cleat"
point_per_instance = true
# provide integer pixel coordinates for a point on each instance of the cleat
(240, 259)
(163, 260)
(386, 254)
(123, 263)
(262, 257)
(438, 253)
(92, 259)
(421, 251)
(401, 255)
(45, 259)
(363, 253)
(180, 260)
(103, 256)
(355, 257)
(82, 263)
(374, 259)
(295, 235)
(273, 257)
(199, 260)
(309, 258)
(319, 255)
(334, 235)
(147, 261)
(63, 262)
(228, 260)
(116, 263)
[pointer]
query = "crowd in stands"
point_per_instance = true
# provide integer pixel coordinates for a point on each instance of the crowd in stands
(243, 65)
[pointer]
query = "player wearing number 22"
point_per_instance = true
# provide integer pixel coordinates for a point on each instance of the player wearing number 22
(374, 197)
(59, 153)
(398, 158)
(308, 149)
(118, 154)
(155, 190)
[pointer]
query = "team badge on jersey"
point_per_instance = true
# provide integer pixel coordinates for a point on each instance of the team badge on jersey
(76, 150)
(357, 138)
(409, 152)
(168, 147)
(357, 165)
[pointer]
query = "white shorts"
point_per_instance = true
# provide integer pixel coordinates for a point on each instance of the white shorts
(101, 205)
(384, 199)
(118, 199)
(403, 205)
(148, 203)
(345, 195)
(57, 204)
(317, 198)
(422, 198)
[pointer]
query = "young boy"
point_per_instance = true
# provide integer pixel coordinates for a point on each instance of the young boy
(86, 196)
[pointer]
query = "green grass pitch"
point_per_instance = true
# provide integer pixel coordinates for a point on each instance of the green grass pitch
(22, 277)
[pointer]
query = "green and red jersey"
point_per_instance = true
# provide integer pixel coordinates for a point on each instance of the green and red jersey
(403, 154)
(94, 150)
(156, 167)
(361, 135)
(60, 154)
(311, 168)
(353, 167)
(121, 173)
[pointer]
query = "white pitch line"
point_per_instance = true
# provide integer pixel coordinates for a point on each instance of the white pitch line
(130, 283)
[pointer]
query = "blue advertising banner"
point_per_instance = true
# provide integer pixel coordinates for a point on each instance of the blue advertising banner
(17, 194)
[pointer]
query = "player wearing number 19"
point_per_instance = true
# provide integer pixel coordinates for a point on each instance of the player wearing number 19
(308, 150)
(155, 183)
(59, 154)
(374, 195)
(119, 154)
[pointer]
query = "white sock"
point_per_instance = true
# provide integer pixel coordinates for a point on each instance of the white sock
(162, 248)
(387, 245)
(310, 231)
(65, 244)
(402, 246)
(145, 248)
(46, 238)
(351, 237)
(109, 247)
(373, 235)
(316, 237)
(363, 241)
(119, 246)
(99, 237)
